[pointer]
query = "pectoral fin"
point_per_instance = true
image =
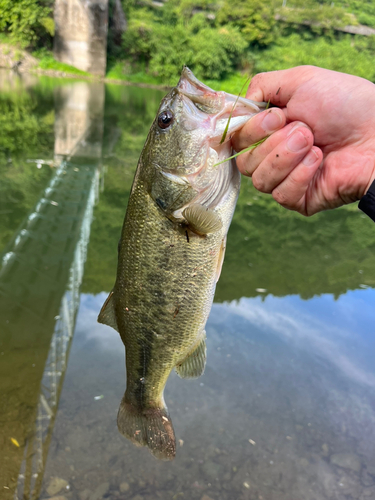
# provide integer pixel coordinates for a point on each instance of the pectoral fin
(107, 313)
(201, 219)
(221, 258)
(193, 365)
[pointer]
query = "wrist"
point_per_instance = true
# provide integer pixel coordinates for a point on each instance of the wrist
(369, 184)
(367, 202)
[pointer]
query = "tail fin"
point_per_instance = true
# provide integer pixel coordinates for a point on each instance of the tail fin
(150, 427)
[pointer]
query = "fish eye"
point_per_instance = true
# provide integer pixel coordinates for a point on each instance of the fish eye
(165, 119)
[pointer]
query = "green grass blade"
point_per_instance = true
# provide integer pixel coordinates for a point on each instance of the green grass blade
(253, 146)
(230, 115)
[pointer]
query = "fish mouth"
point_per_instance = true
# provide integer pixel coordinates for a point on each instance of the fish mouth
(219, 105)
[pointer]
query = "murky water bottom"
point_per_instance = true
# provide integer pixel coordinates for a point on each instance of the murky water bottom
(286, 407)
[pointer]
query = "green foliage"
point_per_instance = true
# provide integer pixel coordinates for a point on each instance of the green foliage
(164, 48)
(28, 22)
(254, 18)
(348, 55)
(221, 40)
(364, 10)
(321, 17)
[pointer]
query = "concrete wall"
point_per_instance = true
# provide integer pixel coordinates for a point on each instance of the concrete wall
(81, 34)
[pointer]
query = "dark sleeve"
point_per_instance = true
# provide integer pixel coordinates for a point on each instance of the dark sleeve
(367, 203)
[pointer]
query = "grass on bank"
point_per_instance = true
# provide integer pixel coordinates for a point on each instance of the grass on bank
(48, 62)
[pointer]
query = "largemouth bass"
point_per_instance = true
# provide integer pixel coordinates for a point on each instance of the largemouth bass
(171, 252)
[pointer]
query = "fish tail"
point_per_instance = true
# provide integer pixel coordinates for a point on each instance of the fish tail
(150, 427)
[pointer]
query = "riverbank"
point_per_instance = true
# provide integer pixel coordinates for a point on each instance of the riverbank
(16, 59)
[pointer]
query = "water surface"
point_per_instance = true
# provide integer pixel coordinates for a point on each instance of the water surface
(286, 407)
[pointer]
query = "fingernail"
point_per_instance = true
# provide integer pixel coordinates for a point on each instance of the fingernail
(296, 142)
(272, 121)
(310, 158)
(295, 126)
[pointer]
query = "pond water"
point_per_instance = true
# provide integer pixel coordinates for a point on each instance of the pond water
(286, 407)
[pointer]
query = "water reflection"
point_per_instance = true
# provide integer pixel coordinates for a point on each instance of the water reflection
(274, 417)
(79, 119)
(41, 272)
(286, 408)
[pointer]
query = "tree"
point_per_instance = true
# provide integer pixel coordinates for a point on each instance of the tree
(27, 21)
(254, 18)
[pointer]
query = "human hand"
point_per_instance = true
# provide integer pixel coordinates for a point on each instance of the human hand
(321, 149)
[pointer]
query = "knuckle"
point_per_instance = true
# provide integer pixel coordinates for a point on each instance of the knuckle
(258, 183)
(242, 165)
(256, 79)
(281, 198)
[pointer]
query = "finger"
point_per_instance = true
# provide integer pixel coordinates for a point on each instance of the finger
(258, 127)
(248, 162)
(278, 86)
(291, 193)
(282, 160)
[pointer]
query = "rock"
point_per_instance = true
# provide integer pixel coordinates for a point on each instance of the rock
(211, 470)
(367, 479)
(206, 497)
(368, 492)
(138, 497)
(124, 487)
(141, 483)
(100, 491)
(84, 495)
(56, 484)
(60, 497)
(325, 450)
(346, 461)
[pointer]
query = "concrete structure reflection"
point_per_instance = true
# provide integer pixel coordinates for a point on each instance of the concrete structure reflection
(40, 275)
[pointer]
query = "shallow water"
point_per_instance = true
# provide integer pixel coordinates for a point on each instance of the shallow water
(286, 407)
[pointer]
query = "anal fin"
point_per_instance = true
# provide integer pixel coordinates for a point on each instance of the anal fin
(194, 364)
(107, 314)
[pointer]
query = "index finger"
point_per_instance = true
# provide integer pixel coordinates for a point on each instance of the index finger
(278, 86)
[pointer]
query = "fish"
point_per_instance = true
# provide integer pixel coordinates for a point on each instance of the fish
(171, 251)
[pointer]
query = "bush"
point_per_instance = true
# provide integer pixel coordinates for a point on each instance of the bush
(348, 55)
(27, 21)
(254, 18)
(210, 52)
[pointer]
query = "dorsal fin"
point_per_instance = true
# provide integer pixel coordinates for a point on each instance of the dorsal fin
(107, 314)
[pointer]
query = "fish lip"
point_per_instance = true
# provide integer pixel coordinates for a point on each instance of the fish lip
(199, 93)
(187, 77)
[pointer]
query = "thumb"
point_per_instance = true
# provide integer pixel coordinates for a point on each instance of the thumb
(278, 87)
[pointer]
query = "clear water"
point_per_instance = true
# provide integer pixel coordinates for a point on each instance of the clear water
(286, 407)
